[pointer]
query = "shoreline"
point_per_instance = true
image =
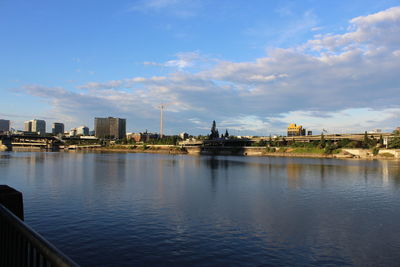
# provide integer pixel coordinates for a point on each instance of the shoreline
(178, 151)
(245, 151)
(140, 150)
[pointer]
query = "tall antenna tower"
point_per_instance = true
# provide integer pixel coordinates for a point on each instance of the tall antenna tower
(162, 107)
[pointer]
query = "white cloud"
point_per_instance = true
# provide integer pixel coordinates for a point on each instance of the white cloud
(178, 8)
(317, 83)
(183, 61)
(379, 29)
(344, 121)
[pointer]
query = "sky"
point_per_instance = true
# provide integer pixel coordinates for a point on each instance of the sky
(252, 66)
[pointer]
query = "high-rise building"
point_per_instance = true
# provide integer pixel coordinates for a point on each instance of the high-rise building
(58, 128)
(39, 126)
(82, 130)
(72, 132)
(184, 135)
(110, 128)
(28, 126)
(4, 125)
(36, 126)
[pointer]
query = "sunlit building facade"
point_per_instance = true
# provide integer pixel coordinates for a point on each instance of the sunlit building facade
(295, 130)
(110, 128)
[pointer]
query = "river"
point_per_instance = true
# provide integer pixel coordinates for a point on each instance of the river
(122, 209)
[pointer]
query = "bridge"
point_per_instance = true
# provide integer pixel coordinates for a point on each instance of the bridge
(7, 142)
(82, 146)
(331, 137)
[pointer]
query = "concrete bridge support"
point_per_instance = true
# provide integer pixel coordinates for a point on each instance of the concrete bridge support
(5, 144)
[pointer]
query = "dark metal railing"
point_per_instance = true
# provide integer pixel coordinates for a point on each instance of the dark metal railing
(20, 245)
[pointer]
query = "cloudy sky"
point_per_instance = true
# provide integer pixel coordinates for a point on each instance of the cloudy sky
(253, 66)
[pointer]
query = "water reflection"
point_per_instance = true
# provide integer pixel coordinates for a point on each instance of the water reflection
(136, 209)
(293, 174)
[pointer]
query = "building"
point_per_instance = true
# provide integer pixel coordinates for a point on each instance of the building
(36, 126)
(295, 130)
(4, 125)
(28, 126)
(82, 130)
(58, 128)
(142, 137)
(39, 126)
(110, 128)
(375, 131)
(72, 132)
(184, 135)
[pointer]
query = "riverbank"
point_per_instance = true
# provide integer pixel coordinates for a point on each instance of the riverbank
(158, 149)
(254, 151)
(344, 153)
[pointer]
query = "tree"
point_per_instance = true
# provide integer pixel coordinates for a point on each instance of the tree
(380, 142)
(270, 142)
(284, 142)
(214, 131)
(394, 143)
(322, 142)
(366, 141)
(226, 133)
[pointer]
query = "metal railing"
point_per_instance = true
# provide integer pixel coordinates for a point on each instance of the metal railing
(22, 246)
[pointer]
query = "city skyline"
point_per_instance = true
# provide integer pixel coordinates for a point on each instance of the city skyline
(254, 68)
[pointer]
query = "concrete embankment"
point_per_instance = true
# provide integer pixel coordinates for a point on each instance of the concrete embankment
(5, 145)
(161, 149)
(368, 153)
(261, 151)
(257, 151)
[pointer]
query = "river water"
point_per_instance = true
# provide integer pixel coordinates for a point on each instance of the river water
(117, 209)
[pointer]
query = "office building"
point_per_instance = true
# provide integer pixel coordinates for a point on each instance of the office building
(58, 128)
(39, 126)
(110, 128)
(184, 135)
(36, 126)
(72, 132)
(82, 130)
(28, 126)
(4, 125)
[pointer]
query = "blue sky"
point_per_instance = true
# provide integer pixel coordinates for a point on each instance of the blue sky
(253, 66)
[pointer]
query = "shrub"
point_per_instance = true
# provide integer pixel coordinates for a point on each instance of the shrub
(388, 155)
(394, 143)
(270, 149)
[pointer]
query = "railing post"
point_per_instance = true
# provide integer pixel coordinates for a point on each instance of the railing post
(12, 200)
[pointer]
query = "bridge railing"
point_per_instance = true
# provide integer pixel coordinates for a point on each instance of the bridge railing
(20, 245)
